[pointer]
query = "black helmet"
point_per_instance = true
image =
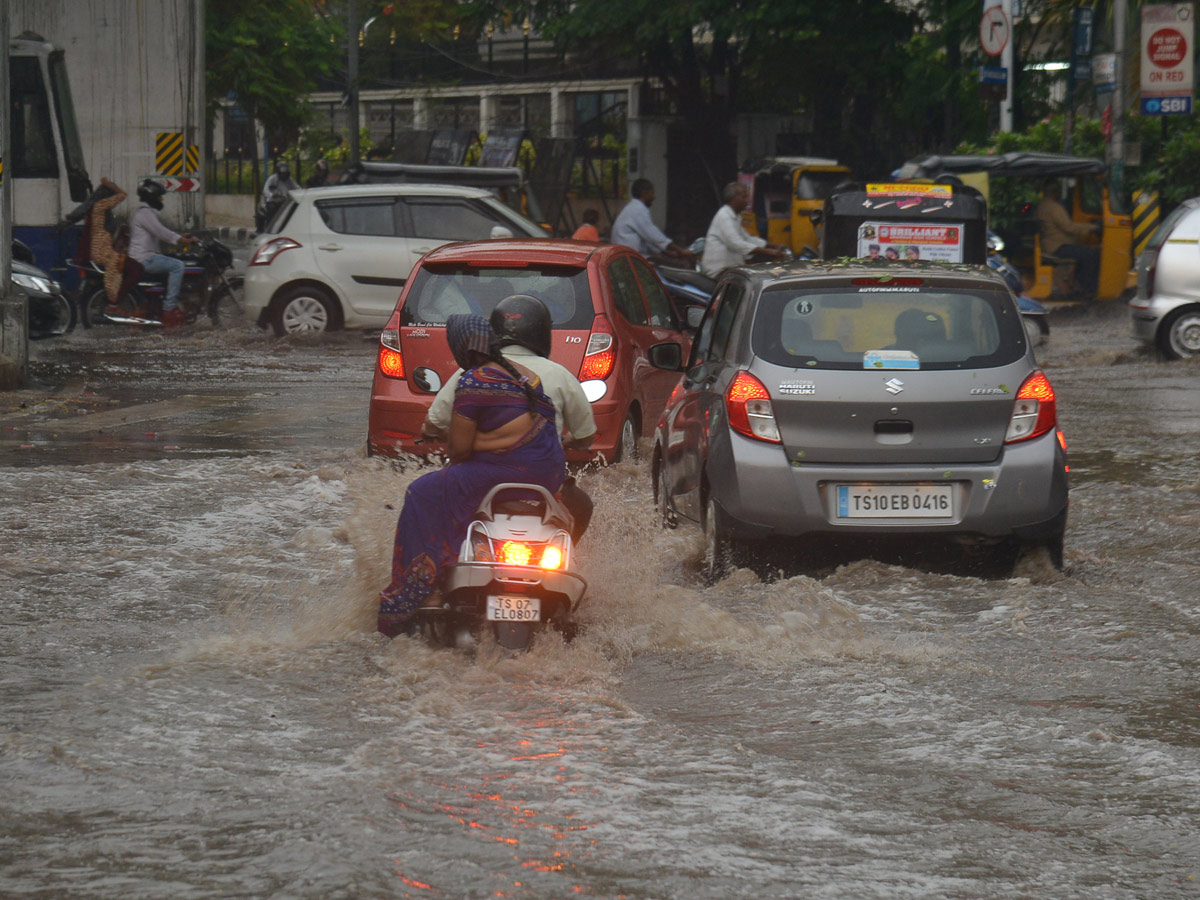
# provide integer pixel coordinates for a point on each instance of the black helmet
(151, 193)
(522, 319)
(283, 169)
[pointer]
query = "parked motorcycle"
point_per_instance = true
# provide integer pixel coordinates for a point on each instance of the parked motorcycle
(514, 576)
(206, 291)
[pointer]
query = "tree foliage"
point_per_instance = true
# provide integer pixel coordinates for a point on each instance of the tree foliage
(268, 56)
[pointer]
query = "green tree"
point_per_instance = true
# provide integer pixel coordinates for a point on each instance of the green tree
(268, 56)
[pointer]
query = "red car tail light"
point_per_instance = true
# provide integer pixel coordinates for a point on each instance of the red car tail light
(1035, 411)
(265, 255)
(749, 408)
(391, 360)
(601, 355)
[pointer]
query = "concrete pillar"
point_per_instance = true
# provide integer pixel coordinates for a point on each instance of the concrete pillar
(561, 118)
(489, 112)
(420, 113)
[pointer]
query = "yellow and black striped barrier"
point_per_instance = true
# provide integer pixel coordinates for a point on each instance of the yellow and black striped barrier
(1147, 212)
(170, 155)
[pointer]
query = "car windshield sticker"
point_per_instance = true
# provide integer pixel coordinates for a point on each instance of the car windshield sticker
(891, 359)
(797, 387)
(804, 308)
(892, 240)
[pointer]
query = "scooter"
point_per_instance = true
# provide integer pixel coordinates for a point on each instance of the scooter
(513, 576)
(206, 290)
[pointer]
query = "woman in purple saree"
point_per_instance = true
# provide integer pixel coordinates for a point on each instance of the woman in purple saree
(503, 430)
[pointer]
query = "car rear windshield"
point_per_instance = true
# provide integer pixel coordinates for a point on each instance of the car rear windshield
(890, 327)
(440, 291)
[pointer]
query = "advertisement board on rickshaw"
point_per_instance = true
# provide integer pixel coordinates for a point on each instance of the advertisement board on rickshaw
(939, 222)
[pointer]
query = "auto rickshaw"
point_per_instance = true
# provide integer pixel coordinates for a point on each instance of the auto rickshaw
(785, 191)
(1086, 197)
(905, 220)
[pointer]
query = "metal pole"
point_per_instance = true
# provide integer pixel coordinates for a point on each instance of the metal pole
(14, 322)
(352, 78)
(1117, 144)
(1006, 60)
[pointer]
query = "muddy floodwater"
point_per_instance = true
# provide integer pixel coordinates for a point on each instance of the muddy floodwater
(194, 702)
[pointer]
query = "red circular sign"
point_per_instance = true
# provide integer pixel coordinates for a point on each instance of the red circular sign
(1166, 48)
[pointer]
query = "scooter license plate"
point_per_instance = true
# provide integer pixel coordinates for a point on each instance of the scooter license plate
(514, 609)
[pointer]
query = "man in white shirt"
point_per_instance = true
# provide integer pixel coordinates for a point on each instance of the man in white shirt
(634, 228)
(727, 242)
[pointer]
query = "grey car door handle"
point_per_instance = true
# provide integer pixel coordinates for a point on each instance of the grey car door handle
(329, 246)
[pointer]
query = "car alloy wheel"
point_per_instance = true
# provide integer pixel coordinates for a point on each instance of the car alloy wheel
(1182, 330)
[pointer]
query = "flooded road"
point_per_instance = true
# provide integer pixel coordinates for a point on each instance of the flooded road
(195, 704)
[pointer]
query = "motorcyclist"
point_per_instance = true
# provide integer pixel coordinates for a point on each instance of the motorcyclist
(320, 177)
(522, 326)
(275, 192)
(145, 233)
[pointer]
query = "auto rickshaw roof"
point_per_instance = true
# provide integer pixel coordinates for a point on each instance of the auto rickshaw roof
(1016, 164)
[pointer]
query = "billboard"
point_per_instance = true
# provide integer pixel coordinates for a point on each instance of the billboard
(1167, 72)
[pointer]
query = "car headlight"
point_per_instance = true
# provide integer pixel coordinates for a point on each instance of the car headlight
(33, 283)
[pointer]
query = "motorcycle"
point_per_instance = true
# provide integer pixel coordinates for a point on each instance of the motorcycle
(1033, 314)
(513, 577)
(206, 290)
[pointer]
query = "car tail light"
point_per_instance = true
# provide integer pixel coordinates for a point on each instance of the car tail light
(601, 355)
(265, 255)
(749, 407)
(1035, 411)
(391, 360)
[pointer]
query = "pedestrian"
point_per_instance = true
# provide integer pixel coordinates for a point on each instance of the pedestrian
(588, 230)
(727, 242)
(634, 228)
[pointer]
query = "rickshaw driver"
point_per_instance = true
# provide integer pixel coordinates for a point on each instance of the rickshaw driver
(1058, 231)
(727, 242)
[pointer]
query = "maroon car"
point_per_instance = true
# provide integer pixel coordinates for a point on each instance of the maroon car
(607, 307)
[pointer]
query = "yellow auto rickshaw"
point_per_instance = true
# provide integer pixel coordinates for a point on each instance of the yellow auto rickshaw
(1086, 197)
(785, 191)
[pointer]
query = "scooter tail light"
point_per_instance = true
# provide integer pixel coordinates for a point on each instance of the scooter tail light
(1035, 411)
(748, 405)
(266, 254)
(600, 356)
(480, 545)
(514, 553)
(391, 359)
(556, 553)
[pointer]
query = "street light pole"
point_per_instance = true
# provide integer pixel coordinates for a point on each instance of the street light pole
(14, 323)
(352, 76)
(1117, 142)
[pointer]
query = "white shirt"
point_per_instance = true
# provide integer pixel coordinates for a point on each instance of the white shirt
(634, 228)
(727, 242)
(571, 407)
(145, 231)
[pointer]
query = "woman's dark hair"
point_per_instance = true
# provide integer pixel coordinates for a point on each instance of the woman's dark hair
(530, 393)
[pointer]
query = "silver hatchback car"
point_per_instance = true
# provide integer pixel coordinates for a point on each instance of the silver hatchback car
(1166, 310)
(858, 400)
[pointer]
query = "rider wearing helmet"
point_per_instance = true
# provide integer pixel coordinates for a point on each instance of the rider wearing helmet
(522, 327)
(145, 232)
(275, 192)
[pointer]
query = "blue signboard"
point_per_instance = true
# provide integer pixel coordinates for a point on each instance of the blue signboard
(993, 75)
(1166, 106)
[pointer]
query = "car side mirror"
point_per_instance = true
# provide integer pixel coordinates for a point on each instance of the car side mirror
(668, 356)
(695, 315)
(499, 233)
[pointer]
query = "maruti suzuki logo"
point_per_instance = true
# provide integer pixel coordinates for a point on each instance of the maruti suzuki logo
(894, 386)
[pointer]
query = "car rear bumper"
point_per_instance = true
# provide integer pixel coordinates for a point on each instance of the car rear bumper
(1014, 495)
(1147, 315)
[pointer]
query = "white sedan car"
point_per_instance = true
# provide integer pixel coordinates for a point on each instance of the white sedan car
(338, 257)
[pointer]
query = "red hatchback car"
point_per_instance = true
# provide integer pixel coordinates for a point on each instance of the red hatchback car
(607, 307)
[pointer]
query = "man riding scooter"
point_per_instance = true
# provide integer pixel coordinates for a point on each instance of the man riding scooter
(522, 327)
